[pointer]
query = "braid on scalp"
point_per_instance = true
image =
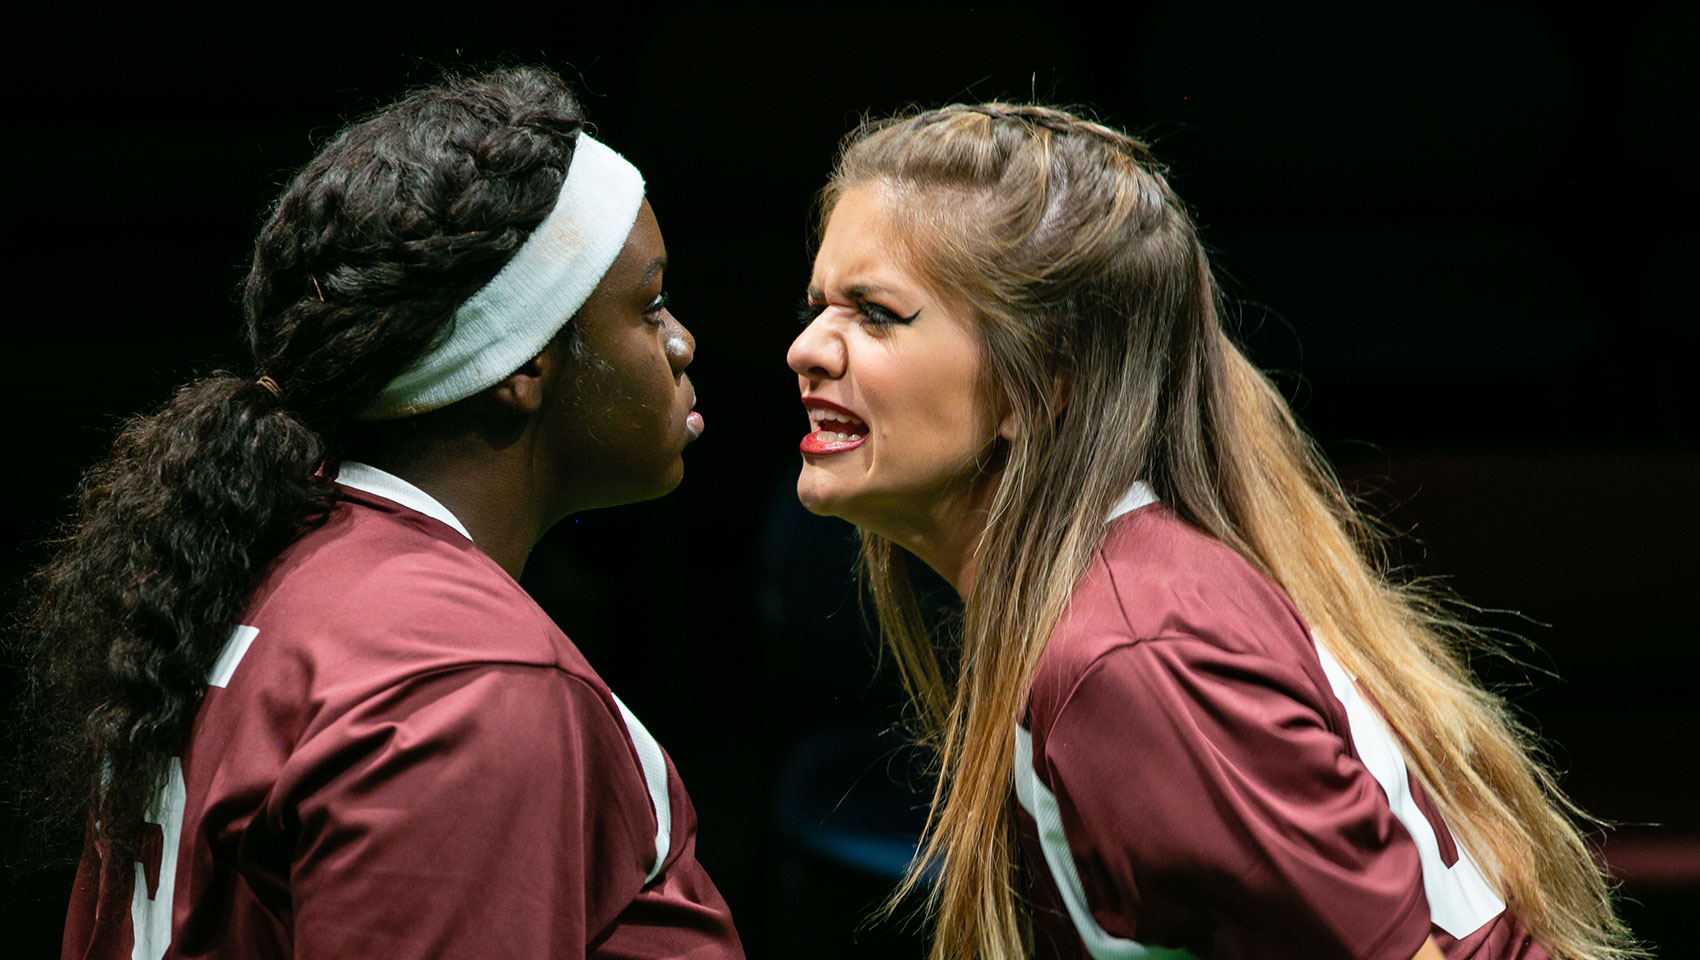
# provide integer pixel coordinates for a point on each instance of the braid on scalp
(399, 220)
(357, 271)
(1050, 118)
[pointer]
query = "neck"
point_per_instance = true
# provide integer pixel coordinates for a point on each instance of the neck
(497, 513)
(948, 538)
(495, 492)
(956, 560)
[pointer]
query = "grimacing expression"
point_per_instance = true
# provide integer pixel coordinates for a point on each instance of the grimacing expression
(891, 377)
(626, 401)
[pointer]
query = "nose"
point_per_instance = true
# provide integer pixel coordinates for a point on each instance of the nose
(681, 347)
(817, 353)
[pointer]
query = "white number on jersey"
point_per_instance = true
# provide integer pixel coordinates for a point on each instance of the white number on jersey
(150, 917)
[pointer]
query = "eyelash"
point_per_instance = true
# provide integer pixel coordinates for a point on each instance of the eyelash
(661, 302)
(874, 313)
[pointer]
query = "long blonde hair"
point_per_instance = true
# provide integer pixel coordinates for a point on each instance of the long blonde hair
(1082, 267)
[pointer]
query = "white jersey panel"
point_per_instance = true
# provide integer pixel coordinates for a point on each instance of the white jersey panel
(655, 777)
(1041, 804)
(1460, 901)
(231, 656)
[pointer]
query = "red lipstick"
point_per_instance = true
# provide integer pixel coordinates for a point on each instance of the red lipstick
(834, 429)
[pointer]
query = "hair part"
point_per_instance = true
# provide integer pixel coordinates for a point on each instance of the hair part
(357, 271)
(1079, 260)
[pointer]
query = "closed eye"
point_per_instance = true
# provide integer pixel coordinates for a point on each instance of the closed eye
(874, 313)
(807, 312)
(880, 316)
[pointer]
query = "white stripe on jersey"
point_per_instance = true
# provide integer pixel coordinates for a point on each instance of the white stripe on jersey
(1041, 805)
(1459, 897)
(1460, 901)
(655, 776)
(234, 650)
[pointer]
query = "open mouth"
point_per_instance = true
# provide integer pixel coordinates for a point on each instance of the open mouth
(837, 427)
(832, 429)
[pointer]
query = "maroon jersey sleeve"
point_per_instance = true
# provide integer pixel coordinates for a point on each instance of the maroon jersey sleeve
(490, 811)
(1208, 804)
(400, 755)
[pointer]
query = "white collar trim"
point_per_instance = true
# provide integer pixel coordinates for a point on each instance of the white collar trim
(1138, 495)
(381, 483)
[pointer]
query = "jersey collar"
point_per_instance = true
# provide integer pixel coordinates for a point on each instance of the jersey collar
(381, 483)
(1138, 495)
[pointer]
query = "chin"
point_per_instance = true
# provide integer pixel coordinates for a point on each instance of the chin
(671, 482)
(817, 497)
(658, 485)
(830, 500)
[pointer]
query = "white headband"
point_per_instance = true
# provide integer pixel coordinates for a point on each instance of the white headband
(511, 318)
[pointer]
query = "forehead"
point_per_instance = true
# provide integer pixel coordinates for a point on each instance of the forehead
(861, 246)
(637, 260)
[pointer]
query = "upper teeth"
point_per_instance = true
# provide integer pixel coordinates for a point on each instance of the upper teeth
(847, 423)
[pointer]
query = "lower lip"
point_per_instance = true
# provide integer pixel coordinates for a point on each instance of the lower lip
(693, 423)
(815, 446)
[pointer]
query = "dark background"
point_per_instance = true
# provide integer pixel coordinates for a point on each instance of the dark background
(1461, 234)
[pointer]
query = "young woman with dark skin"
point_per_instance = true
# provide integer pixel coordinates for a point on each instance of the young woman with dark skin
(282, 661)
(572, 430)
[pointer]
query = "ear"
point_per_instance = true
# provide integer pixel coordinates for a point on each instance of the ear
(522, 391)
(1009, 428)
(1062, 387)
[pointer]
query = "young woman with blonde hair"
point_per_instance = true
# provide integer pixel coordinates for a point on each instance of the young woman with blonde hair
(1184, 712)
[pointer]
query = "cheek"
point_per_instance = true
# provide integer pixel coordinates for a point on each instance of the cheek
(936, 420)
(617, 408)
(640, 379)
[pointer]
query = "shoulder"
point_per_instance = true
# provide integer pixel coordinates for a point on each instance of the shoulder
(522, 799)
(386, 594)
(1162, 596)
(1158, 577)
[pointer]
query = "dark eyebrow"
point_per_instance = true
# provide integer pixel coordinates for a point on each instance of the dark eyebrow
(862, 291)
(655, 266)
(858, 292)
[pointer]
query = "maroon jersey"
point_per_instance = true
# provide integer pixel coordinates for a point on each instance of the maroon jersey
(400, 755)
(1197, 776)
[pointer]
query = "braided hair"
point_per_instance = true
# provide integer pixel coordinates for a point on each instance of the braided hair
(357, 271)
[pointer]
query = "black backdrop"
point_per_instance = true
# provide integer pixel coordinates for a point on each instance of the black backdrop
(1460, 233)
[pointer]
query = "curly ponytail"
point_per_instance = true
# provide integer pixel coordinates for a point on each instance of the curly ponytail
(137, 601)
(356, 272)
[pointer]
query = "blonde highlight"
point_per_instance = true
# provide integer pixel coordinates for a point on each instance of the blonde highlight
(1064, 239)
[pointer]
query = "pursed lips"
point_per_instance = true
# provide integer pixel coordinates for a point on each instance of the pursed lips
(693, 419)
